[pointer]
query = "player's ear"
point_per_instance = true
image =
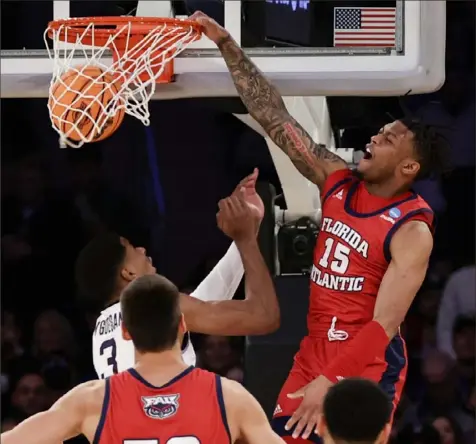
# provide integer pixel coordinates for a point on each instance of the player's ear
(183, 324)
(125, 334)
(410, 167)
(128, 273)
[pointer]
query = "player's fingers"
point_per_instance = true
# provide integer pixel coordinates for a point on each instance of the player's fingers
(242, 198)
(254, 176)
(295, 417)
(221, 204)
(237, 204)
(297, 394)
(196, 14)
(250, 180)
(300, 426)
(311, 425)
(230, 206)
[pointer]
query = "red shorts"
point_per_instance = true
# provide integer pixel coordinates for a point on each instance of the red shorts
(315, 353)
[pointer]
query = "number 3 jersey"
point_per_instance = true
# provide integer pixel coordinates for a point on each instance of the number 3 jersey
(352, 252)
(113, 354)
(189, 409)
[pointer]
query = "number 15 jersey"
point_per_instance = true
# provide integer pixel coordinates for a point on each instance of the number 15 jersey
(111, 353)
(352, 252)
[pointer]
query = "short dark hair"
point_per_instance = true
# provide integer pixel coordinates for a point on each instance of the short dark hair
(97, 269)
(356, 410)
(432, 148)
(151, 313)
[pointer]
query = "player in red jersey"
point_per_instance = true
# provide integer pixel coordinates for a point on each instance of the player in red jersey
(161, 399)
(372, 252)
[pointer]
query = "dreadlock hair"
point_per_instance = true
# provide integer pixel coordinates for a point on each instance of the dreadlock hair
(431, 147)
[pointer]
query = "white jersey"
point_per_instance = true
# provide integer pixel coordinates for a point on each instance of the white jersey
(111, 353)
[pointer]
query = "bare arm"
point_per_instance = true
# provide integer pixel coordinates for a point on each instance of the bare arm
(246, 419)
(266, 106)
(61, 422)
(257, 314)
(410, 248)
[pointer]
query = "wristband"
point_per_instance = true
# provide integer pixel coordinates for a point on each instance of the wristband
(370, 343)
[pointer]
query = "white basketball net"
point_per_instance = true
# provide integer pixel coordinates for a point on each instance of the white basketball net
(150, 56)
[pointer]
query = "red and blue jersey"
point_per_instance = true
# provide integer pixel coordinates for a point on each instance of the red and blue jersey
(187, 410)
(352, 252)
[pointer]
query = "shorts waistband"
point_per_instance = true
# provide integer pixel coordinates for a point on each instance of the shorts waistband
(333, 330)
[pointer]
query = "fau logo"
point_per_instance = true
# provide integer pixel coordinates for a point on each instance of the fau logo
(160, 407)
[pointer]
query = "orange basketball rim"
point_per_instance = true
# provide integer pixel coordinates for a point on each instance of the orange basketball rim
(89, 93)
(126, 37)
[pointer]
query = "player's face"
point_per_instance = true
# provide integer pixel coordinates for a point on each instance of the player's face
(137, 262)
(389, 154)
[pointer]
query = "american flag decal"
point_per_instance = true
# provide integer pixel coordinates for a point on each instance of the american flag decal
(364, 27)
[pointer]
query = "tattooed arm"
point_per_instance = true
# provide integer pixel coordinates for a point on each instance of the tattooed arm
(266, 106)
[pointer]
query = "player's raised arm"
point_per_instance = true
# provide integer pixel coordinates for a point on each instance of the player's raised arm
(63, 421)
(247, 421)
(410, 250)
(259, 312)
(223, 281)
(266, 106)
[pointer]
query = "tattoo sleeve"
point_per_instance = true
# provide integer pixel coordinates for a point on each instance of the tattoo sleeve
(266, 106)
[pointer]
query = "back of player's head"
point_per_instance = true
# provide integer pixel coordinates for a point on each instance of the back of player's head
(151, 313)
(356, 411)
(97, 268)
(431, 148)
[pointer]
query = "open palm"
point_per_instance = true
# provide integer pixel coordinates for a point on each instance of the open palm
(248, 188)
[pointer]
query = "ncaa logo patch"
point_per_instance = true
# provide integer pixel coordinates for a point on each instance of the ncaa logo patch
(160, 407)
(395, 213)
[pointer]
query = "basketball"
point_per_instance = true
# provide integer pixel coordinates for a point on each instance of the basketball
(78, 104)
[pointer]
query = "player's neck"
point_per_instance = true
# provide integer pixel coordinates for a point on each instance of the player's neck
(114, 298)
(159, 368)
(387, 190)
(161, 359)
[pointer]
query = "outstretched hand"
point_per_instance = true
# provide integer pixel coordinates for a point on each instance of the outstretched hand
(211, 28)
(247, 187)
(236, 218)
(306, 416)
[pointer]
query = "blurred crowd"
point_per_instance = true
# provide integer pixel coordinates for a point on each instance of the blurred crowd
(46, 332)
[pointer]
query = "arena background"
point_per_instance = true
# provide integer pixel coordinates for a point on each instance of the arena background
(54, 200)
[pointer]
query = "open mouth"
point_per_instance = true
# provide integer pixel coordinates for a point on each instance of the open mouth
(368, 154)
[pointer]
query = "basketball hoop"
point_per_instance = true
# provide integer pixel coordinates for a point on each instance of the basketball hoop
(142, 50)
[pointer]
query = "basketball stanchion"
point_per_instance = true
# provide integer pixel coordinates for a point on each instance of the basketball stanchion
(87, 103)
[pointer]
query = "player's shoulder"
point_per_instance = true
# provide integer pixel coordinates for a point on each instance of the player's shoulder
(341, 178)
(235, 395)
(419, 203)
(92, 388)
(90, 394)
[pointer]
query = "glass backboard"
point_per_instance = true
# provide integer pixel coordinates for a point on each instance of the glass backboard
(366, 47)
